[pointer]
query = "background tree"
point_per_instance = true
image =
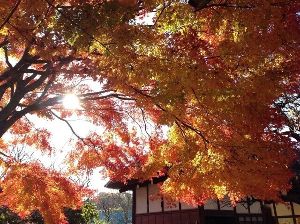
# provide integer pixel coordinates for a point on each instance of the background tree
(208, 72)
(85, 215)
(90, 214)
(125, 206)
(107, 205)
(115, 207)
(9, 217)
(74, 216)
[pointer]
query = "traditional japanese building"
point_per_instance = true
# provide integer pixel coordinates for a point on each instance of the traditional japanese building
(147, 210)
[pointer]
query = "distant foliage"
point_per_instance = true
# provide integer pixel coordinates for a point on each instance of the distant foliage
(9, 217)
(90, 213)
(115, 208)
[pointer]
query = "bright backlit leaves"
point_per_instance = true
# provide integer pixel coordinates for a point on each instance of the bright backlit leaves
(27, 187)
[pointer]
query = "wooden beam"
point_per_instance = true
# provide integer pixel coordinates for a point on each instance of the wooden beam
(201, 214)
(133, 206)
(275, 213)
(293, 212)
(148, 198)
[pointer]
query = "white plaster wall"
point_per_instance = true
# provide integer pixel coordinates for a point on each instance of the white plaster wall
(296, 208)
(242, 208)
(186, 206)
(154, 205)
(225, 204)
(283, 209)
(255, 208)
(211, 204)
(141, 200)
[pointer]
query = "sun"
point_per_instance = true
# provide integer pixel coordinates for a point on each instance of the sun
(71, 102)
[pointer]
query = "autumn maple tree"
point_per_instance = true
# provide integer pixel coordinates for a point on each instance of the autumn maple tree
(202, 91)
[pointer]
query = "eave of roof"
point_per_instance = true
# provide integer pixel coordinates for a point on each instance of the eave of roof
(132, 184)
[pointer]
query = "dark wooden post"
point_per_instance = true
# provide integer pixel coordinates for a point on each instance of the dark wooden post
(133, 206)
(201, 214)
(293, 212)
(267, 215)
(236, 217)
(148, 198)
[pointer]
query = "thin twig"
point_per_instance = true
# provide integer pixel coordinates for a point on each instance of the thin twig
(79, 27)
(226, 5)
(3, 154)
(69, 125)
(144, 120)
(165, 6)
(73, 131)
(187, 125)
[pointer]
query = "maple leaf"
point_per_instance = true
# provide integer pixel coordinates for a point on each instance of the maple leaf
(29, 187)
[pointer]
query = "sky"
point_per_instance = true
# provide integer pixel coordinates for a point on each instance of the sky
(60, 141)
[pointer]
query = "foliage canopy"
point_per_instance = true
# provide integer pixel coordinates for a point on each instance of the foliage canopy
(197, 93)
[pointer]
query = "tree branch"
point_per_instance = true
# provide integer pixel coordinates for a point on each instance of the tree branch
(292, 134)
(6, 57)
(3, 154)
(4, 42)
(69, 125)
(37, 83)
(84, 141)
(165, 6)
(199, 4)
(226, 5)
(115, 95)
(10, 14)
(197, 131)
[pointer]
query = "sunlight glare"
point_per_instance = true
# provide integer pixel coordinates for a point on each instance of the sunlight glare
(71, 102)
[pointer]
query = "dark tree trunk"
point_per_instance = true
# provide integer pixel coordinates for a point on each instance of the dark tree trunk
(199, 4)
